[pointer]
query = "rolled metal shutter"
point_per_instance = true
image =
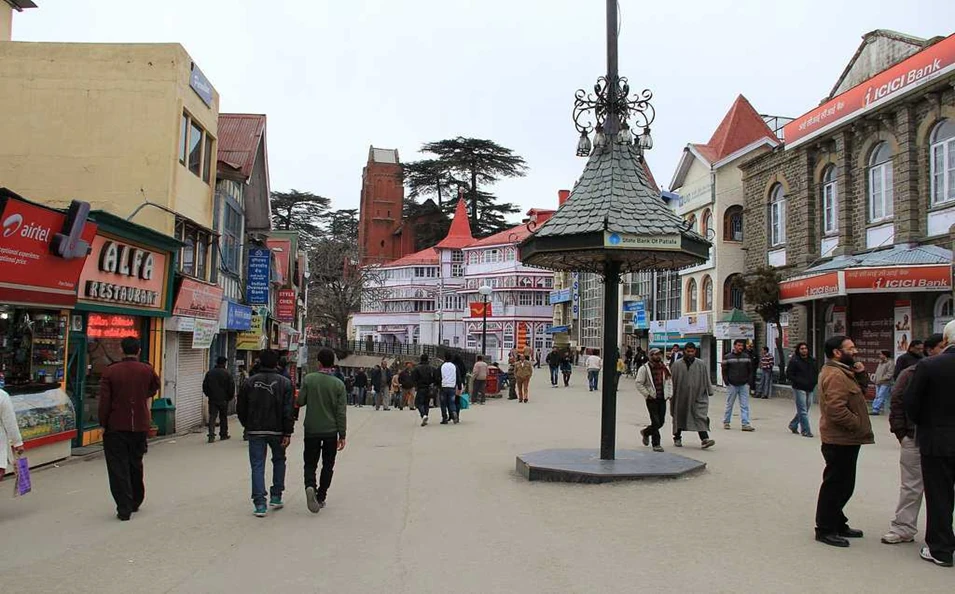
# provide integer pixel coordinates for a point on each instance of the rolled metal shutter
(192, 369)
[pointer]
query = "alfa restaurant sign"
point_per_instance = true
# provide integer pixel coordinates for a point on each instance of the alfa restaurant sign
(927, 65)
(123, 274)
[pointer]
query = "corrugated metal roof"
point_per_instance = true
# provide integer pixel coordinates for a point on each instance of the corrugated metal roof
(239, 138)
(427, 256)
(897, 255)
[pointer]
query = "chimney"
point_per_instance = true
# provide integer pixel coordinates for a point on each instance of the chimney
(562, 196)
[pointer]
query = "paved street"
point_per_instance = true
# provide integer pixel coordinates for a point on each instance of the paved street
(441, 509)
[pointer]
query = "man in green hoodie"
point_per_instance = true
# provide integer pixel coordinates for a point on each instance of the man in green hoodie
(324, 399)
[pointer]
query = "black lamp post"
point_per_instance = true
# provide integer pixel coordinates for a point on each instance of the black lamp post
(485, 292)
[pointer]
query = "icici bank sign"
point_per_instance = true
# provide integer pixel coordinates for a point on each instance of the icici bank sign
(899, 279)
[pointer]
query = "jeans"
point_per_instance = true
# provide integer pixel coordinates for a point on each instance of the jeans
(553, 375)
(360, 396)
(480, 388)
(765, 384)
(906, 520)
(566, 375)
(801, 420)
(423, 401)
(449, 408)
(324, 448)
(592, 375)
(124, 452)
(258, 446)
(938, 477)
(882, 394)
(381, 399)
(220, 410)
(732, 393)
(657, 407)
(838, 484)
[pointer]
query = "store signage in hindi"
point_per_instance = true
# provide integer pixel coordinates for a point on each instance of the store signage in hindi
(235, 316)
(927, 65)
(891, 279)
(643, 242)
(100, 326)
(123, 274)
(819, 286)
(204, 332)
(254, 339)
(734, 330)
(31, 273)
(198, 300)
(286, 305)
(259, 273)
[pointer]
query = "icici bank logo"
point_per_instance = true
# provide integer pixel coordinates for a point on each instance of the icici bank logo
(12, 224)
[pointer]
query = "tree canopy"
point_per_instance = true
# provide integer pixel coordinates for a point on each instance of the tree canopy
(761, 290)
(300, 211)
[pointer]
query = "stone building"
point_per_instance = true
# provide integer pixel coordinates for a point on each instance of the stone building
(855, 210)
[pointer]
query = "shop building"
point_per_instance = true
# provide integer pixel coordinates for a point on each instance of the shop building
(856, 209)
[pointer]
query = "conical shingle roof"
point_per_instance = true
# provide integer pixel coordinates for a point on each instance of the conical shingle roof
(459, 235)
(741, 127)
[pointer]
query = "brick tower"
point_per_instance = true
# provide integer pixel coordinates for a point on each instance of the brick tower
(382, 201)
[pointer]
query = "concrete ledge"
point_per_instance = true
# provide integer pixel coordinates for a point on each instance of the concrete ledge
(585, 466)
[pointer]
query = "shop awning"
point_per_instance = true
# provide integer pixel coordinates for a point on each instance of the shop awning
(666, 346)
(558, 330)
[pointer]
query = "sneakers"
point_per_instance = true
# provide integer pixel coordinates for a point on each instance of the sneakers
(276, 502)
(311, 500)
(646, 438)
(424, 420)
(678, 442)
(657, 448)
(225, 437)
(808, 435)
(794, 430)
(444, 421)
(749, 428)
(926, 554)
(260, 511)
(727, 426)
(456, 418)
(891, 538)
(708, 443)
(210, 439)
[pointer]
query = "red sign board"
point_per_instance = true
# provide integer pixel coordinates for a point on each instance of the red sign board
(928, 64)
(198, 300)
(29, 272)
(892, 279)
(282, 248)
(286, 305)
(809, 288)
(111, 326)
(478, 309)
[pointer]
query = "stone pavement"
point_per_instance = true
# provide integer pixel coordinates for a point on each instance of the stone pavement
(441, 509)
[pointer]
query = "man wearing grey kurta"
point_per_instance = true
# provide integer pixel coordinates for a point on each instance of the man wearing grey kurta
(691, 397)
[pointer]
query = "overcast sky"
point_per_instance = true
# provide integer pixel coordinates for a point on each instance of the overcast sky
(335, 76)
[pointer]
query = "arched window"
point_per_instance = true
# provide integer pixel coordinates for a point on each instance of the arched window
(943, 162)
(707, 304)
(881, 196)
(830, 201)
(732, 292)
(777, 216)
(733, 224)
(943, 311)
(691, 222)
(691, 295)
(706, 223)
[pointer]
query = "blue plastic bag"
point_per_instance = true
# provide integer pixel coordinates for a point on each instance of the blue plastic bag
(465, 402)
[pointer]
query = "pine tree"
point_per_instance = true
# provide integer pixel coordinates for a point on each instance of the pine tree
(300, 211)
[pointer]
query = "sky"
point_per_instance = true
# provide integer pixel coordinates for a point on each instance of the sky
(336, 76)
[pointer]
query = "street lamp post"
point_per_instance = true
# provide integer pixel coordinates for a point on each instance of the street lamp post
(485, 292)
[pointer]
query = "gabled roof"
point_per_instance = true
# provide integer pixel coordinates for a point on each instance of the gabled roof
(506, 237)
(459, 235)
(426, 257)
(880, 49)
(239, 137)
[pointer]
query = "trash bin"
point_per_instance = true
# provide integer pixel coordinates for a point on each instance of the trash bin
(492, 381)
(164, 415)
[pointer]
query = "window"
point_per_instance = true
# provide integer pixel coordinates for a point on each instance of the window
(194, 257)
(777, 216)
(733, 224)
(525, 298)
(207, 160)
(881, 204)
(706, 223)
(183, 139)
(457, 264)
(231, 234)
(830, 201)
(196, 149)
(509, 336)
(425, 272)
(943, 163)
(707, 294)
(691, 295)
(943, 312)
(732, 293)
(202, 249)
(540, 299)
(189, 256)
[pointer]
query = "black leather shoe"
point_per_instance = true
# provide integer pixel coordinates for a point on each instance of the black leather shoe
(850, 533)
(833, 540)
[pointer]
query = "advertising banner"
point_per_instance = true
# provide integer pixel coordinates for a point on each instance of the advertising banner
(100, 326)
(254, 339)
(560, 296)
(903, 326)
(235, 316)
(260, 266)
(836, 322)
(286, 305)
(892, 279)
(204, 332)
(198, 300)
(870, 328)
(734, 330)
(819, 286)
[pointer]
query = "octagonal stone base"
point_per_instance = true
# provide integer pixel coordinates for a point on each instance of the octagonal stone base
(585, 466)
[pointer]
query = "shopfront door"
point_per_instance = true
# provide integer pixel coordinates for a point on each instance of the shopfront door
(76, 366)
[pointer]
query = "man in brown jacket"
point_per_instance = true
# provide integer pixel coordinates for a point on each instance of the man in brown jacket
(124, 392)
(843, 426)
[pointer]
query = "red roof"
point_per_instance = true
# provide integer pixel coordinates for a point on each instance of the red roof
(239, 138)
(741, 127)
(459, 235)
(426, 257)
(513, 235)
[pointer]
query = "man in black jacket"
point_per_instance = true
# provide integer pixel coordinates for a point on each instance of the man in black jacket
(425, 378)
(381, 382)
(219, 388)
(930, 403)
(909, 358)
(266, 409)
(804, 375)
(553, 364)
(737, 369)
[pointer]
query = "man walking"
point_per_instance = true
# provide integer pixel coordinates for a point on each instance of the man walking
(324, 398)
(424, 381)
(566, 368)
(655, 385)
(910, 357)
(451, 381)
(381, 381)
(219, 388)
(930, 403)
(479, 375)
(691, 398)
(406, 382)
(593, 370)
(361, 387)
(904, 526)
(125, 389)
(766, 363)
(803, 375)
(553, 364)
(844, 427)
(737, 367)
(266, 410)
(883, 381)
(522, 373)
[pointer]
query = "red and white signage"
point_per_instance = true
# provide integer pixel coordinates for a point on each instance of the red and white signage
(893, 279)
(479, 308)
(286, 305)
(29, 272)
(819, 286)
(198, 300)
(927, 65)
